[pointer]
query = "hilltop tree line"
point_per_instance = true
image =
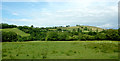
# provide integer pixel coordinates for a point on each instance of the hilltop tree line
(45, 34)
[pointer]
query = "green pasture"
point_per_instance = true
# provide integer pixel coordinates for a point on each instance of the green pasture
(60, 50)
(76, 28)
(17, 31)
(0, 51)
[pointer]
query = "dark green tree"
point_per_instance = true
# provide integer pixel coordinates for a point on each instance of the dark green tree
(68, 26)
(112, 34)
(32, 26)
(51, 36)
(78, 30)
(9, 36)
(86, 28)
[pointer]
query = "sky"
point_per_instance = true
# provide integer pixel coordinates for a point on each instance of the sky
(102, 13)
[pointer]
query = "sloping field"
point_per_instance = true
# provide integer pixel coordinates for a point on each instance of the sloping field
(82, 28)
(19, 32)
(60, 50)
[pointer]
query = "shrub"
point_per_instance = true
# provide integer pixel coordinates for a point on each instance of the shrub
(52, 36)
(9, 36)
(87, 37)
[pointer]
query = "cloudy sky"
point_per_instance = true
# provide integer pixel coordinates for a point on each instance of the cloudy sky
(102, 13)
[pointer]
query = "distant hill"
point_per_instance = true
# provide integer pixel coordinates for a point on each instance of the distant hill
(17, 31)
(83, 28)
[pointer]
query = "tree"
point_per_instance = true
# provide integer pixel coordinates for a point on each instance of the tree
(59, 29)
(87, 37)
(77, 25)
(112, 34)
(55, 27)
(81, 31)
(9, 36)
(74, 33)
(51, 36)
(119, 31)
(68, 26)
(62, 36)
(85, 28)
(92, 33)
(78, 30)
(32, 26)
(73, 30)
(0, 26)
(5, 25)
(101, 36)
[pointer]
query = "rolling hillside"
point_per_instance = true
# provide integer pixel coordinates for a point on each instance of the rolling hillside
(83, 28)
(19, 32)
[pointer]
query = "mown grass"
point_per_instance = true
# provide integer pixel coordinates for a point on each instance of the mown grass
(17, 31)
(60, 50)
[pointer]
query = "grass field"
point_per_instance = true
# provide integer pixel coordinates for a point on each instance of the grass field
(76, 28)
(0, 51)
(17, 31)
(60, 50)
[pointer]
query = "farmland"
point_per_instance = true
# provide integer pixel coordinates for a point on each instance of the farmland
(76, 42)
(60, 50)
(17, 31)
(13, 33)
(79, 29)
(82, 28)
(0, 51)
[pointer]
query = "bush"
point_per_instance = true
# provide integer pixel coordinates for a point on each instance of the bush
(92, 33)
(52, 36)
(112, 34)
(62, 36)
(4, 25)
(87, 37)
(101, 36)
(9, 36)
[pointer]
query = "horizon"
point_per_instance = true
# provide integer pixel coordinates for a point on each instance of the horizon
(58, 26)
(101, 14)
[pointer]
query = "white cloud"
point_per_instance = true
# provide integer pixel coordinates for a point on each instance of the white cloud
(17, 20)
(60, 1)
(77, 13)
(108, 26)
(46, 14)
(73, 12)
(14, 13)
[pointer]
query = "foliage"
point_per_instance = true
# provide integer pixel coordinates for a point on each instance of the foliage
(17, 31)
(5, 25)
(101, 36)
(63, 36)
(26, 33)
(92, 33)
(112, 34)
(52, 36)
(87, 37)
(9, 36)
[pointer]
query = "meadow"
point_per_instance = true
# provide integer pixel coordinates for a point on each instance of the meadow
(17, 31)
(60, 50)
(0, 51)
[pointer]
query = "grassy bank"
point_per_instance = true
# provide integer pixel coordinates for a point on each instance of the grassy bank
(60, 50)
(17, 31)
(0, 51)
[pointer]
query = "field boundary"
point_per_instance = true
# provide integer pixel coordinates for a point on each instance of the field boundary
(60, 60)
